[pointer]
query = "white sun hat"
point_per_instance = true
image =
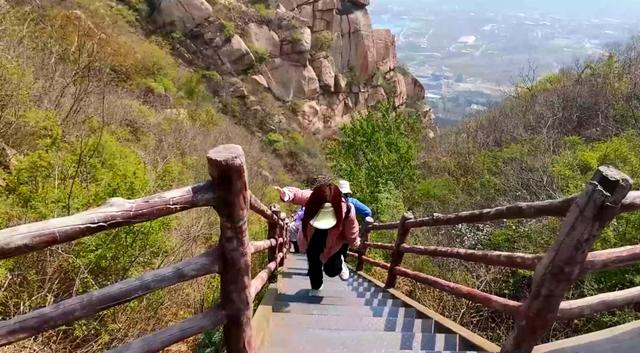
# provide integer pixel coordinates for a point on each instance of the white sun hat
(344, 186)
(325, 219)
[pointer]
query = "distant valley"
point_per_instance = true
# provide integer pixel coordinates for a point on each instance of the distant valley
(469, 54)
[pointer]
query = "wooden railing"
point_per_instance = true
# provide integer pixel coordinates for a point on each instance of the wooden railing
(585, 215)
(228, 193)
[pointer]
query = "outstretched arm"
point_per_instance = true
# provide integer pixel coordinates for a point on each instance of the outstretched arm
(294, 195)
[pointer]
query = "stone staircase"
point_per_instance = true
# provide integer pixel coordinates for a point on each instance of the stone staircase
(354, 316)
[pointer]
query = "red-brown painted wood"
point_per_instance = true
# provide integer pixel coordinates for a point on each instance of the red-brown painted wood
(115, 213)
(365, 241)
(397, 255)
(232, 199)
(488, 300)
(564, 262)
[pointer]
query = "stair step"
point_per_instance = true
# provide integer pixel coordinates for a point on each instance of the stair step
(342, 294)
(343, 310)
(320, 341)
(328, 300)
(287, 322)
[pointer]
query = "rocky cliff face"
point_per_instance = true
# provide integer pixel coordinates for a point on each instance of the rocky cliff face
(322, 54)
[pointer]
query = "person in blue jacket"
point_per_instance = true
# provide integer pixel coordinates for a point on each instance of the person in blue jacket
(361, 209)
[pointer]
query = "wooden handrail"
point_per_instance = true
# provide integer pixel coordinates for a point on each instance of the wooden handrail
(261, 279)
(231, 258)
(596, 260)
(575, 309)
(175, 333)
(495, 258)
(370, 261)
(114, 213)
(262, 245)
(522, 210)
(85, 305)
(561, 266)
(487, 300)
(259, 208)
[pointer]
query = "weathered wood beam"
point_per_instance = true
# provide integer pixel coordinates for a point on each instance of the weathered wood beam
(370, 261)
(525, 210)
(380, 246)
(368, 223)
(85, 305)
(487, 300)
(564, 262)
(159, 340)
(575, 309)
(262, 245)
(494, 258)
(596, 260)
(258, 207)
(228, 173)
(114, 213)
(262, 278)
(397, 255)
(612, 258)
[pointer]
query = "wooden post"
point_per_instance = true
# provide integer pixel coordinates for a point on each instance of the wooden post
(273, 234)
(284, 237)
(363, 247)
(231, 200)
(562, 264)
(397, 255)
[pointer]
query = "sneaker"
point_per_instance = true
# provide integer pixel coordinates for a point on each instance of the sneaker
(315, 292)
(344, 275)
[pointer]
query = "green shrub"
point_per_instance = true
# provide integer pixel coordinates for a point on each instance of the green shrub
(263, 10)
(296, 105)
(276, 141)
(323, 41)
(261, 55)
(228, 29)
(378, 153)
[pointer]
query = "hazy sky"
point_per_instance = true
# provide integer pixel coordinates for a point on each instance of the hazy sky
(592, 9)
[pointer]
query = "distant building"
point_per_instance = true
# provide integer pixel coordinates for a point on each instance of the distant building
(467, 40)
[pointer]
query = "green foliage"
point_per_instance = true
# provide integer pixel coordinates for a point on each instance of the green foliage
(378, 153)
(261, 55)
(228, 29)
(297, 36)
(322, 41)
(296, 105)
(263, 10)
(276, 141)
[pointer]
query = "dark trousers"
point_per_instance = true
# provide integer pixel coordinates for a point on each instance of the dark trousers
(331, 268)
(296, 247)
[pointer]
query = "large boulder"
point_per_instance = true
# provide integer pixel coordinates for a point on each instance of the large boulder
(260, 36)
(415, 90)
(311, 116)
(399, 88)
(354, 49)
(236, 56)
(181, 15)
(297, 46)
(289, 80)
(324, 69)
(385, 45)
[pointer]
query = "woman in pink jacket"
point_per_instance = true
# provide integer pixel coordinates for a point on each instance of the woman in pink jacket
(329, 226)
